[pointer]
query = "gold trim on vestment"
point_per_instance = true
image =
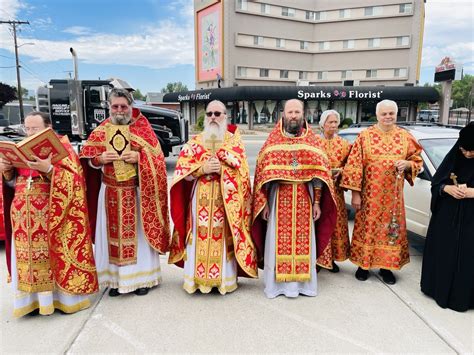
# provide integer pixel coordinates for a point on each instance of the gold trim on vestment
(49, 309)
(129, 276)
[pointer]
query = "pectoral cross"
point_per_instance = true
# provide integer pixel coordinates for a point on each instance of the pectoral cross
(212, 143)
(294, 162)
(454, 177)
(29, 181)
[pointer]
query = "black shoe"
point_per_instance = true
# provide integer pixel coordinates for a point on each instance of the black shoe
(387, 276)
(361, 274)
(114, 292)
(335, 268)
(142, 291)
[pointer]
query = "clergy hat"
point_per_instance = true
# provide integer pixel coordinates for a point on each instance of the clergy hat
(466, 137)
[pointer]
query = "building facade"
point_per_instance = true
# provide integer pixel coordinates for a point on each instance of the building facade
(315, 42)
(327, 46)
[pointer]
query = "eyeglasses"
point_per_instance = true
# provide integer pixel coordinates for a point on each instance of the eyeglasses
(215, 113)
(31, 129)
(122, 107)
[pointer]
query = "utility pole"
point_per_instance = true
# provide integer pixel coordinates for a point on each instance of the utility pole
(20, 96)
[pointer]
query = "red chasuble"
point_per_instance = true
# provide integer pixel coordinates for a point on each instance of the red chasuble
(53, 214)
(234, 186)
(292, 162)
(338, 150)
(120, 192)
(370, 170)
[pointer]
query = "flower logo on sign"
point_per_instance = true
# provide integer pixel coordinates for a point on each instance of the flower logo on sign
(336, 92)
(343, 94)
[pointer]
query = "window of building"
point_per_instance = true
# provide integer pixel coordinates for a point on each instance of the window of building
(400, 72)
(403, 41)
(372, 73)
(373, 11)
(348, 44)
(304, 45)
(288, 11)
(303, 75)
(241, 71)
(345, 13)
(264, 73)
(374, 42)
(284, 74)
(242, 4)
(322, 75)
(265, 9)
(280, 43)
(320, 15)
(324, 46)
(311, 15)
(258, 40)
(346, 74)
(405, 8)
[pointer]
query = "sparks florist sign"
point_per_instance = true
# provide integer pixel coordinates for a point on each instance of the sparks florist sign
(339, 94)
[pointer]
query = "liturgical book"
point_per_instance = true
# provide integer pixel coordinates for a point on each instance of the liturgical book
(41, 144)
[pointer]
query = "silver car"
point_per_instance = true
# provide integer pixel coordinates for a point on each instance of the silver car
(436, 142)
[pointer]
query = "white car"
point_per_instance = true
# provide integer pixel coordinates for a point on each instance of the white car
(436, 142)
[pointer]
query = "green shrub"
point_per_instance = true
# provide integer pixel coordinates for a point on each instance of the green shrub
(346, 122)
(200, 122)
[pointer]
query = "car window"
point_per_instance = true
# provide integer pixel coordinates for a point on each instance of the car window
(436, 149)
(351, 137)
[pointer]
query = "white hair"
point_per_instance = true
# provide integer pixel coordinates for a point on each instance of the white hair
(386, 103)
(326, 114)
(217, 102)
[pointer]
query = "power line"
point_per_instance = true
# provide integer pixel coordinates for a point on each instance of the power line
(20, 98)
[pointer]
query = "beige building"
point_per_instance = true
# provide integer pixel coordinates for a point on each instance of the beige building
(316, 42)
(346, 55)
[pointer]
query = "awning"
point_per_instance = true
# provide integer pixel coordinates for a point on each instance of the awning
(307, 93)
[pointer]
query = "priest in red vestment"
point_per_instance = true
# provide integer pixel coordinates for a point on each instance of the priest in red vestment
(381, 158)
(127, 192)
(294, 211)
(51, 260)
(211, 206)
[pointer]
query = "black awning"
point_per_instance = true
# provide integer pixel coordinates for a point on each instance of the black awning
(307, 93)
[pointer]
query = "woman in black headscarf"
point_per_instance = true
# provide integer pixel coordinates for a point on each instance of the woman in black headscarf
(448, 259)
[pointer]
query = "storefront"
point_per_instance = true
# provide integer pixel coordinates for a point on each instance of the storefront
(264, 104)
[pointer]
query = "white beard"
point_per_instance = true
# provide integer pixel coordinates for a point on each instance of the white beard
(121, 120)
(216, 130)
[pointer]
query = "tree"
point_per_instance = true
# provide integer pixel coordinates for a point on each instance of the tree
(137, 95)
(7, 94)
(174, 87)
(462, 90)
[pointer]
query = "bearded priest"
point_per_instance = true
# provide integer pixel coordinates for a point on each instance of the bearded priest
(48, 239)
(125, 161)
(294, 210)
(210, 207)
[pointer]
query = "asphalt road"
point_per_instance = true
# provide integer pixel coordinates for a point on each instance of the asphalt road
(347, 316)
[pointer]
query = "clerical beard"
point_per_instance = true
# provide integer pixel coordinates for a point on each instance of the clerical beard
(121, 119)
(293, 126)
(214, 128)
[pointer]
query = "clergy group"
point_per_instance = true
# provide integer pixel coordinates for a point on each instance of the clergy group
(101, 218)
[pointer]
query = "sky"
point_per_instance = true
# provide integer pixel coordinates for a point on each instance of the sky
(151, 42)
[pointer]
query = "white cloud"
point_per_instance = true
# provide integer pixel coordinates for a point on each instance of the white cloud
(157, 47)
(449, 28)
(166, 44)
(78, 30)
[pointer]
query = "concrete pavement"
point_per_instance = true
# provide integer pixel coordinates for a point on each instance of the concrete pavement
(348, 316)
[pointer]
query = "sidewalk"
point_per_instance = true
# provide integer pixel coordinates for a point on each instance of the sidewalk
(347, 316)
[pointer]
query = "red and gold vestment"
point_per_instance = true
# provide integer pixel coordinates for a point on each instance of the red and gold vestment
(337, 150)
(292, 162)
(121, 180)
(50, 227)
(223, 207)
(370, 169)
